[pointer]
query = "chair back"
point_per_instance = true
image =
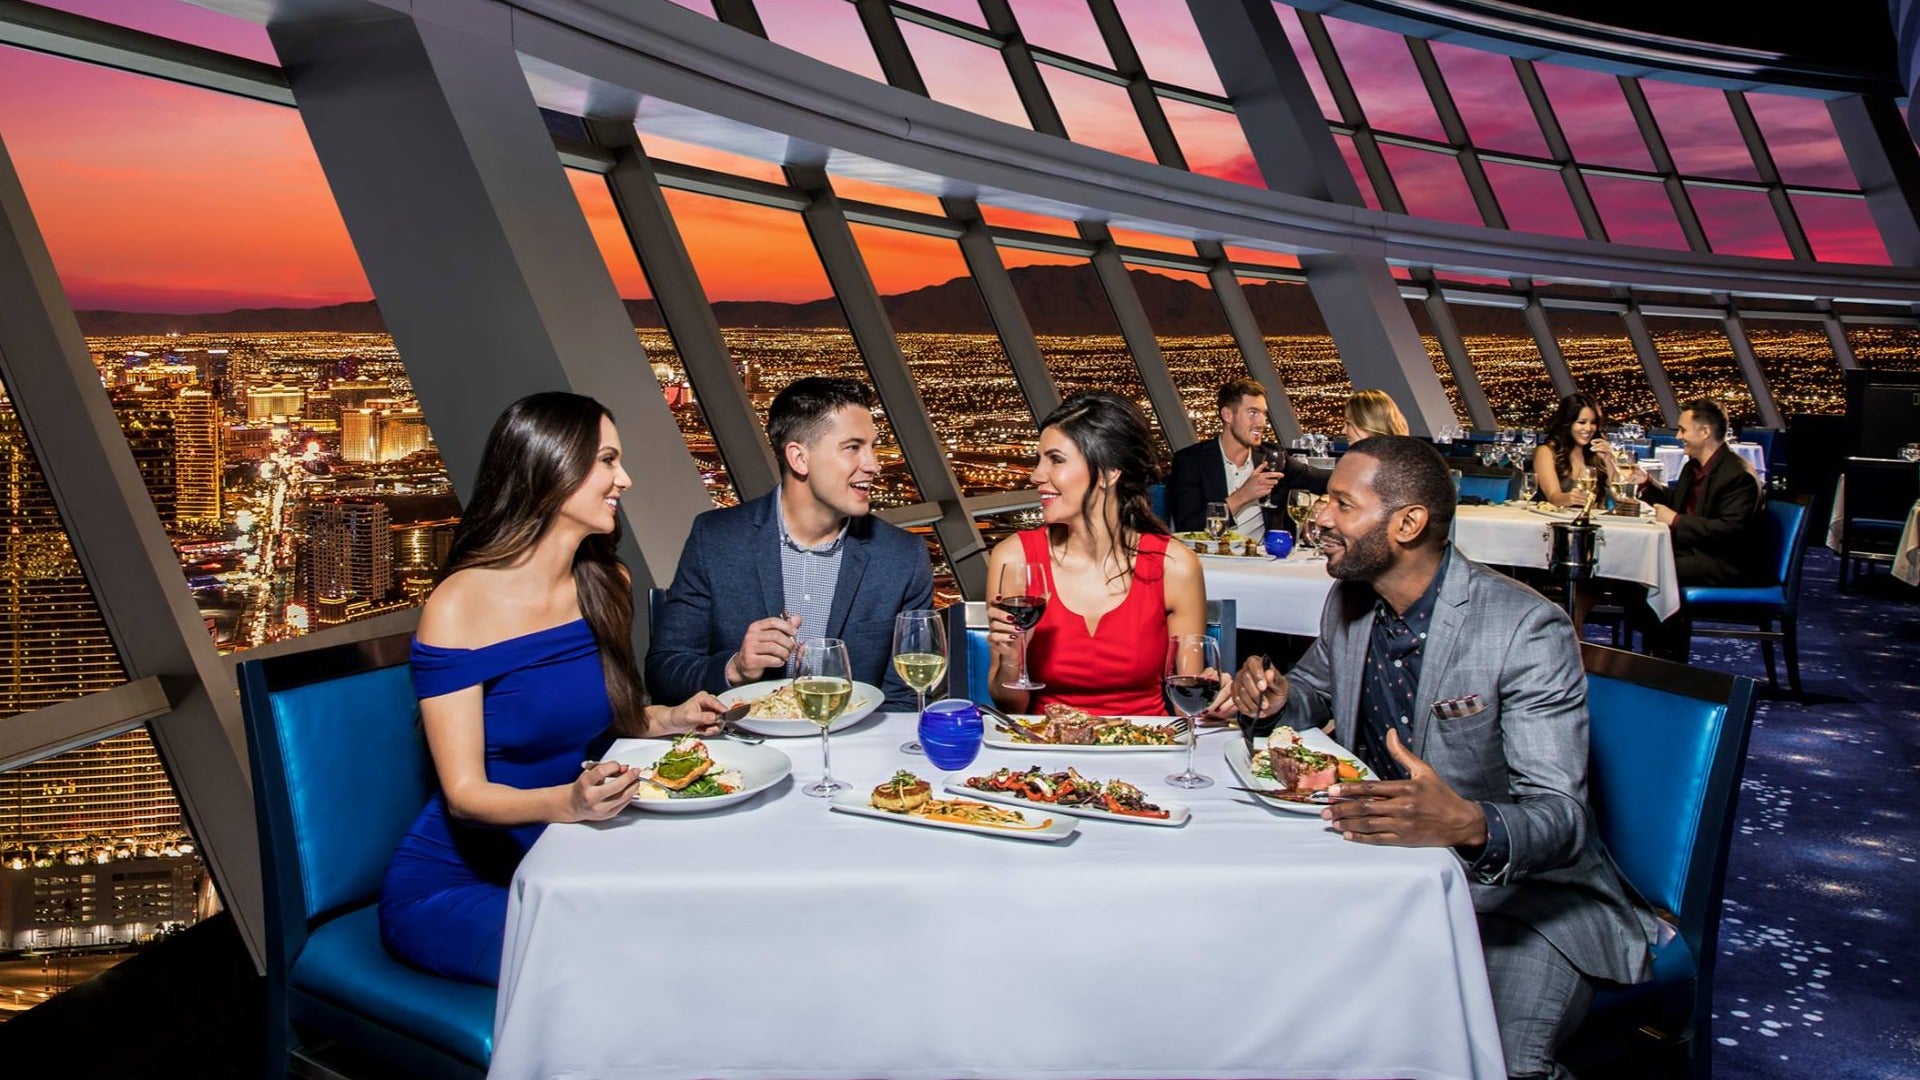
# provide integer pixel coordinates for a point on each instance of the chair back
(970, 660)
(1880, 492)
(1668, 744)
(1493, 486)
(1157, 497)
(1787, 532)
(340, 771)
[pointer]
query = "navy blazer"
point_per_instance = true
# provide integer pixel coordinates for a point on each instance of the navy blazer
(729, 576)
(1200, 477)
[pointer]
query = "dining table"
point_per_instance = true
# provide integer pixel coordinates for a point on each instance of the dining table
(1281, 596)
(1671, 458)
(781, 938)
(1637, 549)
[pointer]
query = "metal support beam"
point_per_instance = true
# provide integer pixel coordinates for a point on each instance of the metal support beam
(1649, 354)
(977, 248)
(486, 272)
(1750, 367)
(129, 563)
(1769, 175)
(1253, 347)
(1465, 379)
(892, 379)
(684, 307)
(1558, 149)
(1881, 151)
(1455, 128)
(1842, 348)
(1662, 158)
(1295, 151)
(1549, 346)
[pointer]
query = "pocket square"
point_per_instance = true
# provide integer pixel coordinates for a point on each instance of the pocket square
(1459, 708)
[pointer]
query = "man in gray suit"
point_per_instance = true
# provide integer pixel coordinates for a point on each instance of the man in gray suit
(806, 560)
(1464, 691)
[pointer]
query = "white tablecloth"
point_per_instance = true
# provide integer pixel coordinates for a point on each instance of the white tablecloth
(1672, 458)
(1282, 596)
(781, 939)
(1906, 565)
(1631, 549)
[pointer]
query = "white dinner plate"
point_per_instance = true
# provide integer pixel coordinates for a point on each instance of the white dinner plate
(1058, 826)
(1000, 740)
(1312, 739)
(760, 767)
(1177, 813)
(866, 698)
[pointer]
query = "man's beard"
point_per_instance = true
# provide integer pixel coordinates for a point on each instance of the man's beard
(1364, 558)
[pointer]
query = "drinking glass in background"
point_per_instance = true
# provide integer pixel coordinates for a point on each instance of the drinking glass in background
(1275, 460)
(951, 731)
(1023, 596)
(1529, 488)
(1217, 518)
(1300, 508)
(920, 656)
(1192, 680)
(823, 681)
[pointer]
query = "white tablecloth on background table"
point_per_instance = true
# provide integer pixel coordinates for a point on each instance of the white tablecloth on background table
(781, 939)
(1672, 458)
(1906, 564)
(1282, 596)
(1631, 549)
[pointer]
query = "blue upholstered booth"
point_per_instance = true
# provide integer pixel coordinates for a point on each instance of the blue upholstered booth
(1492, 486)
(1668, 744)
(1762, 605)
(340, 770)
(1157, 496)
(971, 661)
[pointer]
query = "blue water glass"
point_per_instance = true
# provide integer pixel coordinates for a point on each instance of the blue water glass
(950, 732)
(1279, 543)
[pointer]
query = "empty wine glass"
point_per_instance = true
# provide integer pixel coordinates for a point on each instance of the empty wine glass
(1023, 596)
(1529, 487)
(1192, 680)
(823, 681)
(920, 657)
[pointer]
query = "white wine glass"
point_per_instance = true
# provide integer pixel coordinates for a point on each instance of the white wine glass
(1300, 508)
(920, 659)
(1023, 596)
(823, 681)
(1192, 681)
(1217, 519)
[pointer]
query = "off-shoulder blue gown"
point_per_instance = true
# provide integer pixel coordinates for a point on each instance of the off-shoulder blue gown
(443, 906)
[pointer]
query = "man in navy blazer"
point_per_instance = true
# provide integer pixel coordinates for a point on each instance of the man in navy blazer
(806, 561)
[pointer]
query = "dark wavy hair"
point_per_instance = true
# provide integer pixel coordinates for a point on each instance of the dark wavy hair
(1112, 434)
(1560, 435)
(539, 452)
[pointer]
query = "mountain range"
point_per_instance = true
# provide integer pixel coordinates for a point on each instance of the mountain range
(1057, 299)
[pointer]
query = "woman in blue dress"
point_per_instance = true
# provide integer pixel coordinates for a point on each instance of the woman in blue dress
(523, 657)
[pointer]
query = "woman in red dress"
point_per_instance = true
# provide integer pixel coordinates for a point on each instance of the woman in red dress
(1117, 586)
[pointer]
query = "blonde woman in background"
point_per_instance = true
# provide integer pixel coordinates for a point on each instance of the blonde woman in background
(1370, 413)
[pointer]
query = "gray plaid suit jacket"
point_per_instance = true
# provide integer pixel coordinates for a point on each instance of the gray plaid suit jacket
(1525, 751)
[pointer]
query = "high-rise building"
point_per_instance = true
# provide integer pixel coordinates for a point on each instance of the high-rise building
(150, 435)
(353, 393)
(403, 431)
(276, 401)
(53, 642)
(344, 554)
(359, 435)
(196, 427)
(321, 405)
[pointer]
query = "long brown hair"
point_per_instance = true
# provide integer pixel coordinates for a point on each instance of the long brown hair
(539, 452)
(1112, 434)
(1560, 437)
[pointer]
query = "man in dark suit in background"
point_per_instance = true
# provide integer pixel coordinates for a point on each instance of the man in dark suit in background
(1713, 511)
(804, 561)
(1227, 470)
(1463, 689)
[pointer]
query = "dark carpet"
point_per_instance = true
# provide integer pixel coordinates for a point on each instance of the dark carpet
(1820, 936)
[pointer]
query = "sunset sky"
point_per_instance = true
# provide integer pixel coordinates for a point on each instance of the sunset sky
(160, 197)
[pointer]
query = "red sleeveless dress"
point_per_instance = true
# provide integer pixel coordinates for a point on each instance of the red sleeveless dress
(1116, 670)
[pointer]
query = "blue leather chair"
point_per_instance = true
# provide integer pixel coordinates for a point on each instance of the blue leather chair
(1762, 605)
(1667, 746)
(340, 770)
(1157, 496)
(970, 660)
(1879, 495)
(1491, 486)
